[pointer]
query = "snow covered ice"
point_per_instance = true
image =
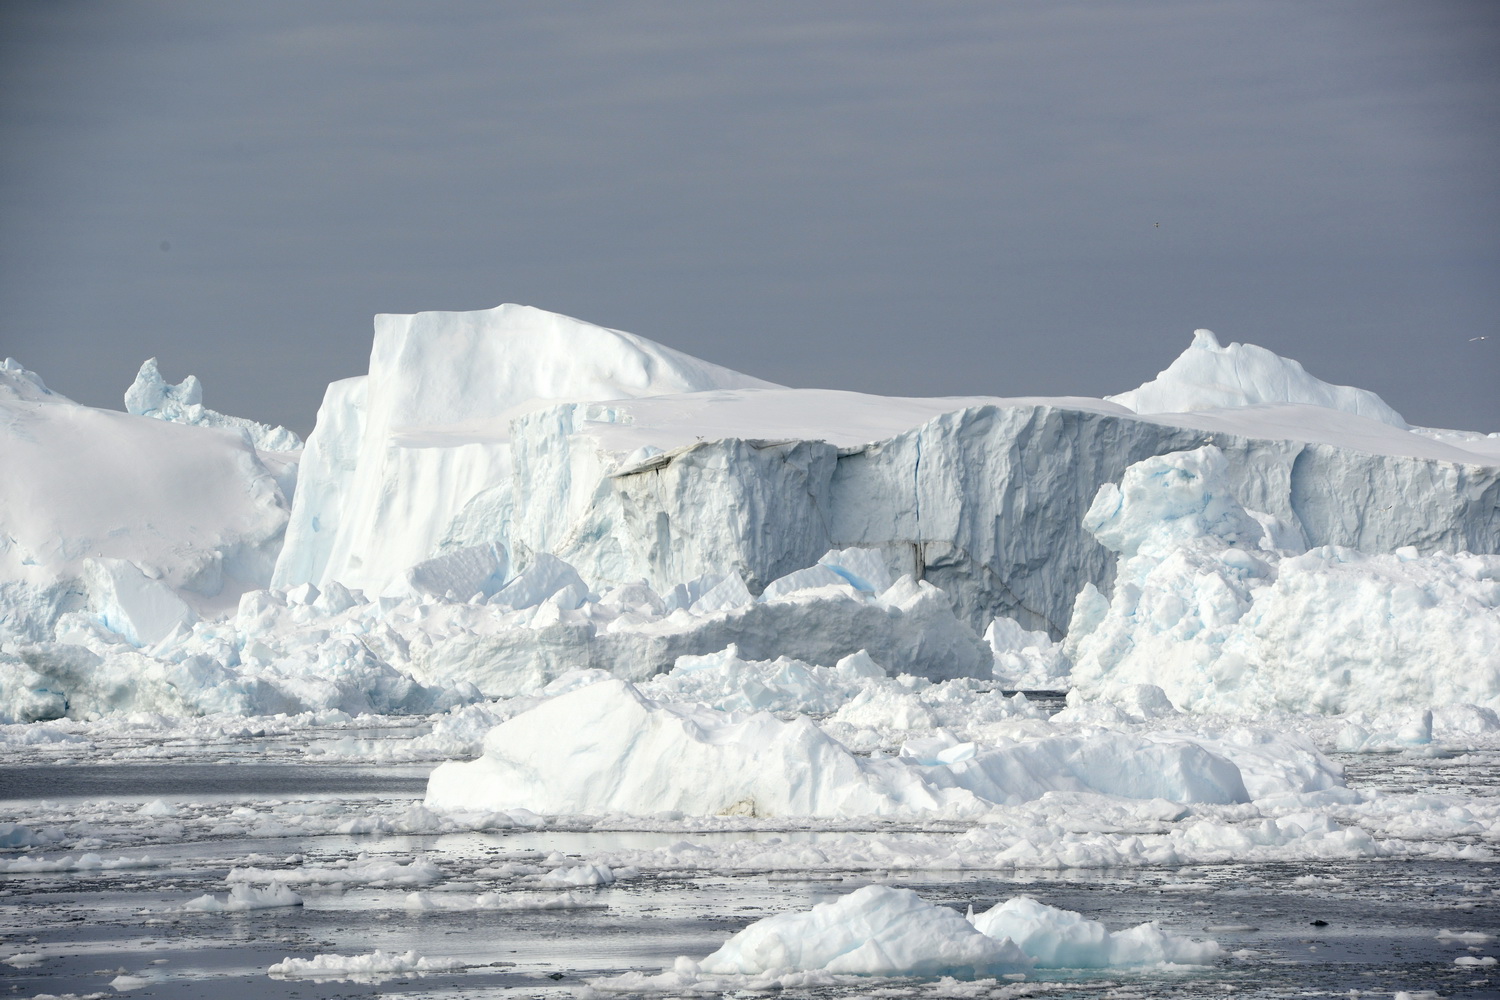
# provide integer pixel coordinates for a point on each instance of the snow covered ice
(554, 628)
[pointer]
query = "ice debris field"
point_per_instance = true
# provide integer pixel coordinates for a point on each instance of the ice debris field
(559, 660)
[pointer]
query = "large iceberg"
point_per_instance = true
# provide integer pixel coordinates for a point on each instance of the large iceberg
(678, 469)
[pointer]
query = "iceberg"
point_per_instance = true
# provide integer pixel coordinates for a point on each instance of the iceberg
(197, 515)
(398, 454)
(608, 749)
(1208, 376)
(874, 931)
(884, 931)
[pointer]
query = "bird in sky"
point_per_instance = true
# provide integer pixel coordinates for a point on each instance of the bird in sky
(1472, 339)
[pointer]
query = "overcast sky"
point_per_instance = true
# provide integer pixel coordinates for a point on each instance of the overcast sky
(913, 198)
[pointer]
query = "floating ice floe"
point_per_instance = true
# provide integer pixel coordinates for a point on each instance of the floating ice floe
(372, 967)
(1207, 606)
(243, 897)
(606, 748)
(888, 932)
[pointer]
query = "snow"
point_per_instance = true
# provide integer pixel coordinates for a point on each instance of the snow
(1209, 376)
(1206, 607)
(150, 395)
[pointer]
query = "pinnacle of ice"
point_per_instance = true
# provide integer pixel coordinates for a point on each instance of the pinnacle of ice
(150, 395)
(1208, 376)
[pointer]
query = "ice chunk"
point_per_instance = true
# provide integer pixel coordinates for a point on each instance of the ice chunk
(127, 601)
(244, 897)
(1207, 376)
(547, 575)
(374, 967)
(865, 568)
(1062, 939)
(1223, 627)
(874, 931)
(606, 748)
(804, 579)
(477, 569)
(1025, 659)
(726, 595)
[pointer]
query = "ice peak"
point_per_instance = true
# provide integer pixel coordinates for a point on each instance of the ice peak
(151, 395)
(1210, 376)
(19, 382)
(1206, 340)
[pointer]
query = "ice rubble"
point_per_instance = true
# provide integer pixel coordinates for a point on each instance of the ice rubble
(156, 512)
(311, 650)
(1209, 605)
(606, 748)
(150, 395)
(883, 931)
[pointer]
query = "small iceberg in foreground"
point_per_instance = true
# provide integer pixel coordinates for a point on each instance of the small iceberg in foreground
(883, 931)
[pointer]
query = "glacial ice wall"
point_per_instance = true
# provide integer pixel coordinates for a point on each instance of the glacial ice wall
(428, 429)
(986, 502)
(531, 433)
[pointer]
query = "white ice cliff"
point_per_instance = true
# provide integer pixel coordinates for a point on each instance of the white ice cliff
(397, 455)
(457, 446)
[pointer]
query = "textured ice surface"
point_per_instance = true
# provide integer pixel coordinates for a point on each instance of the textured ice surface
(1208, 608)
(1061, 939)
(396, 456)
(606, 748)
(1209, 376)
(150, 395)
(199, 512)
(875, 931)
(679, 470)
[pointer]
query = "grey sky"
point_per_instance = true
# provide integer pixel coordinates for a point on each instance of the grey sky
(916, 198)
